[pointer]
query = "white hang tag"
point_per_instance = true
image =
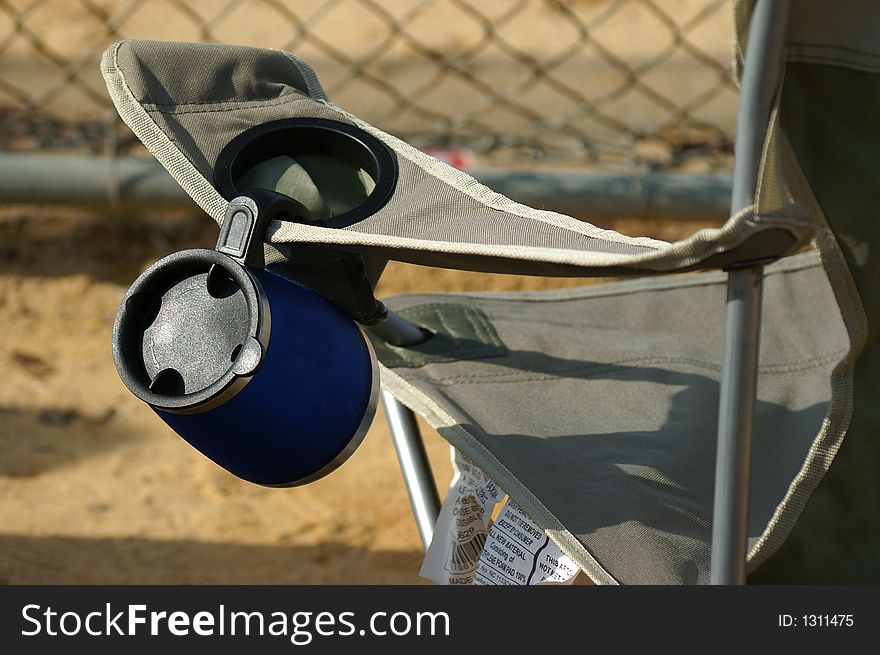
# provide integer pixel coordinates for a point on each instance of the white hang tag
(518, 552)
(462, 526)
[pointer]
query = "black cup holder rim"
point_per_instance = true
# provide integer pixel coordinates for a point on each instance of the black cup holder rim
(268, 140)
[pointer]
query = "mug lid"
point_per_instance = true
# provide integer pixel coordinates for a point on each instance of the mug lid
(191, 331)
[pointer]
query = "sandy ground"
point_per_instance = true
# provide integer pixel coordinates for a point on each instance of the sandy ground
(95, 489)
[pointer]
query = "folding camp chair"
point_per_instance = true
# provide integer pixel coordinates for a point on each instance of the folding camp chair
(597, 409)
(760, 81)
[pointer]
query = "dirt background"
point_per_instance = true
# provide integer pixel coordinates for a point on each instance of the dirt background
(93, 487)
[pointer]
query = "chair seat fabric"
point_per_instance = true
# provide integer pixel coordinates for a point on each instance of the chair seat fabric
(596, 408)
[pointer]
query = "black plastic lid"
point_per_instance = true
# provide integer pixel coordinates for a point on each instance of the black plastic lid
(191, 331)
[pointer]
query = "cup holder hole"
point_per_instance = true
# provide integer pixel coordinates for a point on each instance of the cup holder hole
(326, 185)
(338, 172)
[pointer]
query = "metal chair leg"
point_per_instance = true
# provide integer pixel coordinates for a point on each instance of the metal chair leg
(762, 68)
(414, 465)
(736, 418)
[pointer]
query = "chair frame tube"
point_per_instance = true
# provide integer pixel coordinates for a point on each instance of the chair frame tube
(414, 463)
(415, 466)
(739, 374)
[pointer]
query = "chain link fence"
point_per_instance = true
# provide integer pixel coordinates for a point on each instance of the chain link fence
(620, 84)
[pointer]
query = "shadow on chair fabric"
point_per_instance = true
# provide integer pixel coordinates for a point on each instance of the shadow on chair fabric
(601, 415)
(596, 409)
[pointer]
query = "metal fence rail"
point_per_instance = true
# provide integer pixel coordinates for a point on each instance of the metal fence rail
(625, 84)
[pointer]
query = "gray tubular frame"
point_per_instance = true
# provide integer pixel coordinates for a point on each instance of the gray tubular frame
(761, 72)
(414, 463)
(739, 374)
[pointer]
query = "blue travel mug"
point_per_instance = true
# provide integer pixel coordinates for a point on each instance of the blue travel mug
(265, 377)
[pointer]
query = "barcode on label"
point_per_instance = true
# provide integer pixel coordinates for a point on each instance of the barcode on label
(465, 555)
